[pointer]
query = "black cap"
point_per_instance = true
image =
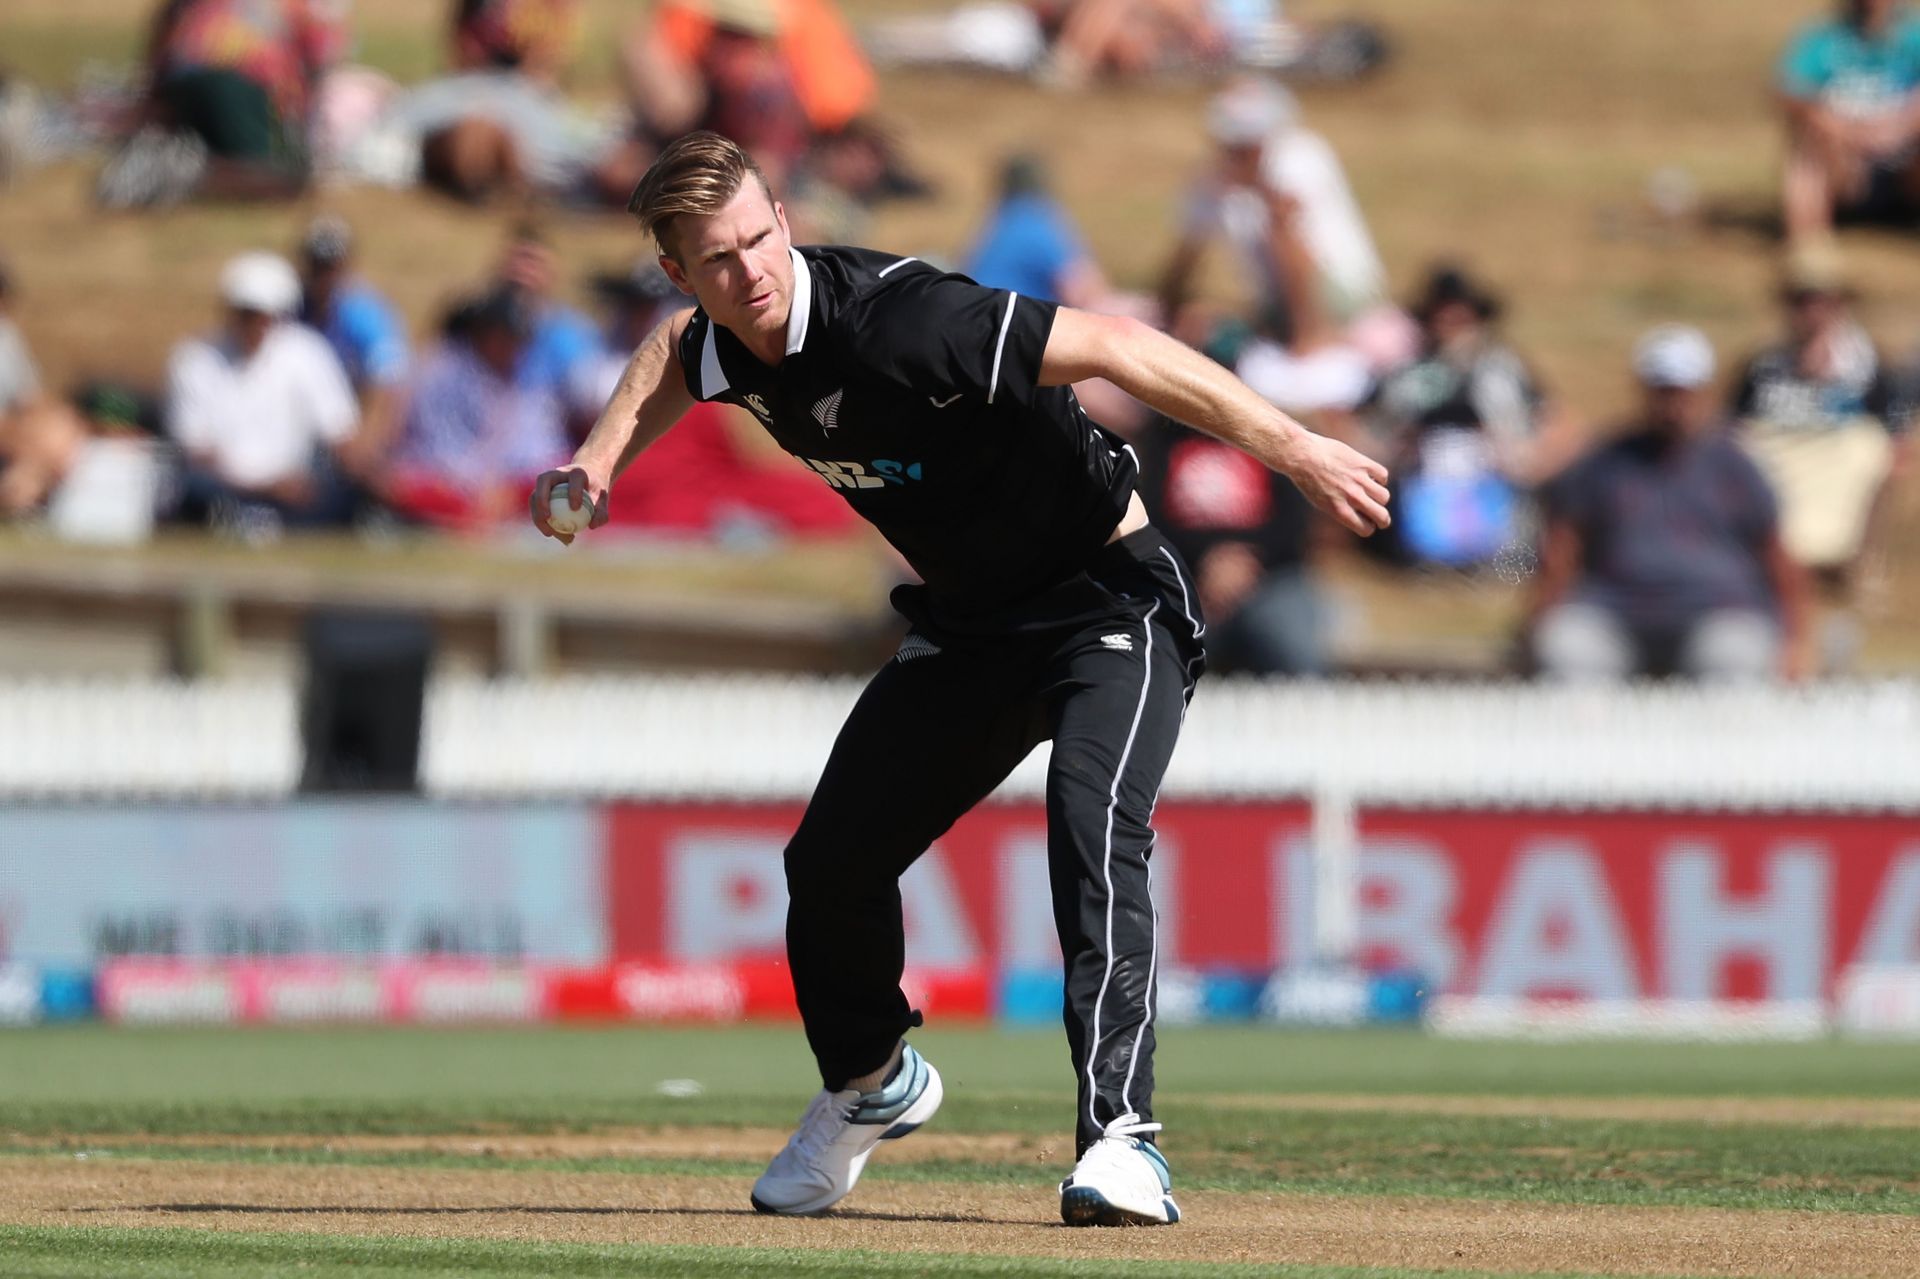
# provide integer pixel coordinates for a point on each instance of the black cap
(1449, 284)
(505, 309)
(328, 241)
(644, 285)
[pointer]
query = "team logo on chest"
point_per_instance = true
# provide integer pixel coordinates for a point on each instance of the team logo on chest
(826, 411)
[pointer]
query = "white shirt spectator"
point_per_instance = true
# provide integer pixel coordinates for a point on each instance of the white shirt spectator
(1299, 163)
(260, 419)
(18, 380)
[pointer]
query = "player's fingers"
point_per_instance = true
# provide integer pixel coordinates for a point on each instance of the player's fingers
(602, 510)
(537, 505)
(1374, 489)
(576, 483)
(1344, 513)
(1378, 470)
(1375, 512)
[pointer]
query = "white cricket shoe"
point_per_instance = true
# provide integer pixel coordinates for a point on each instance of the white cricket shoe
(1120, 1181)
(839, 1130)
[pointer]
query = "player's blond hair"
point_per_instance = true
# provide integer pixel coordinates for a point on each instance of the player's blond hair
(698, 174)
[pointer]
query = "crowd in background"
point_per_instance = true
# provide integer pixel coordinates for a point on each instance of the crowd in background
(1694, 539)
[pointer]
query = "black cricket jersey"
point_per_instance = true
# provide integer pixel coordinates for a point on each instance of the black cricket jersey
(914, 394)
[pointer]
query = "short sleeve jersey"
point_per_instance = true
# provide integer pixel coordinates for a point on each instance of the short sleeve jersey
(1834, 64)
(1670, 533)
(915, 395)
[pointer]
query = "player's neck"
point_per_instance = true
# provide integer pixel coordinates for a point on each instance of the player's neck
(769, 346)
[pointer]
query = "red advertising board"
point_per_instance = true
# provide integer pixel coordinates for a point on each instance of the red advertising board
(704, 883)
(1521, 904)
(1638, 905)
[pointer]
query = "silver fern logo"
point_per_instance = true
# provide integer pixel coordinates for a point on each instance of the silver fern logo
(827, 411)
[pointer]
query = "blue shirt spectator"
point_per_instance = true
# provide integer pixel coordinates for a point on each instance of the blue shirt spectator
(1856, 71)
(366, 333)
(359, 323)
(1029, 245)
(562, 338)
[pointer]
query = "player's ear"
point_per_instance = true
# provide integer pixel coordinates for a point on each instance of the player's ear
(780, 216)
(676, 276)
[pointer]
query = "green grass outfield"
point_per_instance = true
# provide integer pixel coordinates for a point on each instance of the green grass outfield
(130, 1094)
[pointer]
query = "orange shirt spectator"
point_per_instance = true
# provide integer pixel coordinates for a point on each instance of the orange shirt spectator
(280, 45)
(831, 74)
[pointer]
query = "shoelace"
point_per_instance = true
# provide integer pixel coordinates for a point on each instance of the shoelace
(1127, 1125)
(818, 1127)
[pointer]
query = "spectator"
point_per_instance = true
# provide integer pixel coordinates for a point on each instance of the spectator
(257, 407)
(1029, 244)
(530, 37)
(1662, 550)
(474, 432)
(496, 127)
(40, 437)
(231, 86)
(1851, 89)
(698, 478)
(1131, 38)
(361, 326)
(737, 67)
(560, 336)
(1246, 532)
(1264, 156)
(1824, 420)
(1465, 427)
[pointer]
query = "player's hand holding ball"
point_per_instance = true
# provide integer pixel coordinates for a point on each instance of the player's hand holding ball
(568, 502)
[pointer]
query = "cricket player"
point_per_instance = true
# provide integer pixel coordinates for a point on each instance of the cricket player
(943, 413)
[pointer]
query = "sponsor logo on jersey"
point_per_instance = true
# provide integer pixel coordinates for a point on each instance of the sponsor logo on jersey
(864, 475)
(759, 407)
(941, 404)
(1118, 643)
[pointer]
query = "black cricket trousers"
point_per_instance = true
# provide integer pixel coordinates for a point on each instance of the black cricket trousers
(940, 727)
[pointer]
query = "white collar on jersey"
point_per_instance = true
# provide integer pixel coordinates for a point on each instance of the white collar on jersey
(802, 309)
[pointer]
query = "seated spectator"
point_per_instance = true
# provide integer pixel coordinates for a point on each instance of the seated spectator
(495, 127)
(1246, 532)
(1662, 549)
(560, 336)
(1465, 428)
(261, 408)
(361, 326)
(1130, 38)
(40, 437)
(231, 85)
(473, 433)
(1029, 243)
(1823, 417)
(1263, 157)
(697, 479)
(1851, 88)
(1302, 364)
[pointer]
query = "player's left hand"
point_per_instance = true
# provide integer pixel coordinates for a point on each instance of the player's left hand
(1343, 482)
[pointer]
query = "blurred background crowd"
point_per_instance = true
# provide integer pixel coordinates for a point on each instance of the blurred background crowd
(292, 270)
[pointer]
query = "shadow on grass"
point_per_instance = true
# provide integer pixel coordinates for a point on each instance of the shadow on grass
(539, 1210)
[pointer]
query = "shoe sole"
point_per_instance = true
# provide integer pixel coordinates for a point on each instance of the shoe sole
(1086, 1206)
(918, 1113)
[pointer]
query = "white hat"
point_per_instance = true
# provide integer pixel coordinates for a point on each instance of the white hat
(264, 282)
(1674, 355)
(1249, 112)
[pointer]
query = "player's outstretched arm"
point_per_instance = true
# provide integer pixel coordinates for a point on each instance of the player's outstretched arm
(1185, 385)
(651, 397)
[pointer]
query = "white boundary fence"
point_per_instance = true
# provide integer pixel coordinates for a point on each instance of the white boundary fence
(1840, 747)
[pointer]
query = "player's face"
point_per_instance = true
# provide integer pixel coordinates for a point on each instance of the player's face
(736, 263)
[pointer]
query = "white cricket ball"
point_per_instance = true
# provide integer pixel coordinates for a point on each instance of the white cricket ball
(563, 518)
